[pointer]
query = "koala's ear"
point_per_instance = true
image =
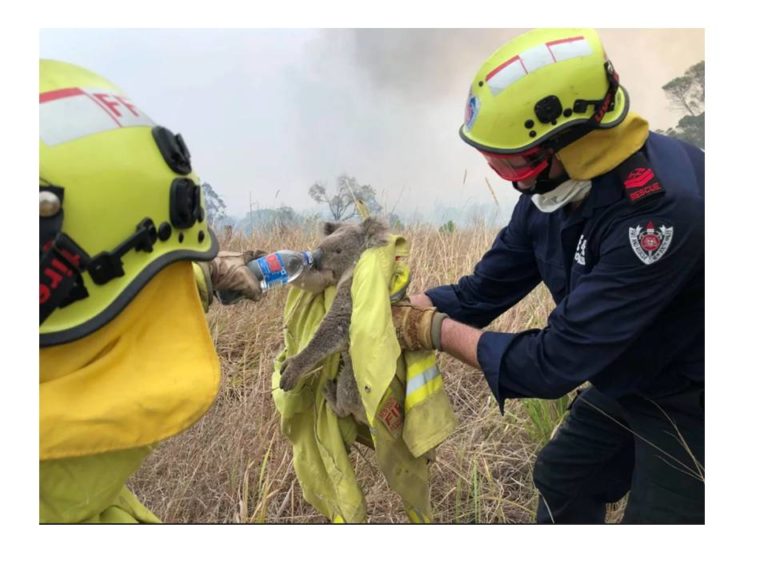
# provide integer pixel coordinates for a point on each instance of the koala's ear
(330, 227)
(375, 232)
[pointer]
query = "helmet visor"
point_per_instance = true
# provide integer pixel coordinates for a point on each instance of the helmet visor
(516, 167)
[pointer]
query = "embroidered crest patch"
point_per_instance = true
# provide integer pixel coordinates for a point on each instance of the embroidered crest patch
(650, 243)
(391, 415)
(640, 181)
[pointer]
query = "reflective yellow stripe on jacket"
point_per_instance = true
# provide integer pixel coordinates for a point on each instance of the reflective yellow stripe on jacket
(423, 380)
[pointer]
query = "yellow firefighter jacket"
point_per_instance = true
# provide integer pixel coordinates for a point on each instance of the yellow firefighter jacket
(407, 408)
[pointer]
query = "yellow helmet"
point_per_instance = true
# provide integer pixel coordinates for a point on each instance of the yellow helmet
(118, 202)
(546, 87)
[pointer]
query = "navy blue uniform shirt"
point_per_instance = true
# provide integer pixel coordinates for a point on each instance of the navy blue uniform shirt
(627, 279)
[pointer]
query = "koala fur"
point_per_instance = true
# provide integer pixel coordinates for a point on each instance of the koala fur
(341, 248)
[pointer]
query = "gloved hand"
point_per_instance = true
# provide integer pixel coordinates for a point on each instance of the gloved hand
(417, 328)
(229, 273)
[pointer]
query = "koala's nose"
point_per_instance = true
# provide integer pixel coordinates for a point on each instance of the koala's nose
(317, 258)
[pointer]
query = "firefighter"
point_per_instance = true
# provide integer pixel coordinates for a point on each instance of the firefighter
(611, 220)
(126, 254)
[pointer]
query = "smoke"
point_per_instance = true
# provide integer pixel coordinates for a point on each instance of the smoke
(427, 65)
(385, 105)
(280, 109)
(424, 62)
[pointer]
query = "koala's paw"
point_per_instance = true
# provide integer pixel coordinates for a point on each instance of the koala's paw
(290, 372)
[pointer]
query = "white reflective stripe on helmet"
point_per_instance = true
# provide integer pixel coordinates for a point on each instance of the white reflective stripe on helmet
(72, 113)
(534, 58)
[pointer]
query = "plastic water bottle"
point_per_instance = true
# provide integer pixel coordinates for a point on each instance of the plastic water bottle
(275, 269)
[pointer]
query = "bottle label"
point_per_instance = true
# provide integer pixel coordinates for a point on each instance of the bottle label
(273, 269)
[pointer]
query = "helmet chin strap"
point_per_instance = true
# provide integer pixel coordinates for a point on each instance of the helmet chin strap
(543, 183)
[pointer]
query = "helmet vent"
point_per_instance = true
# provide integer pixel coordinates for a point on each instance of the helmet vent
(174, 150)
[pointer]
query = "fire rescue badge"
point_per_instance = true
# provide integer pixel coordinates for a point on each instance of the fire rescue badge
(650, 243)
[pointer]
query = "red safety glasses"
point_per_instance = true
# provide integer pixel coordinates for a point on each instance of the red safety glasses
(522, 166)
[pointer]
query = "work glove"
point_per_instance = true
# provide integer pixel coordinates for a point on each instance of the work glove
(231, 275)
(417, 328)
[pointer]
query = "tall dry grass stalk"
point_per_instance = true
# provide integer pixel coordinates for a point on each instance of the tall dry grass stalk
(234, 465)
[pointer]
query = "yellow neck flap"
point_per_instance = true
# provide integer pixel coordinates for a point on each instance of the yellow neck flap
(601, 151)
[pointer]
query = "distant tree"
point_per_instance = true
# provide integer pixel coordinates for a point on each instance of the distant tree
(285, 219)
(691, 129)
(270, 219)
(342, 204)
(448, 228)
(215, 208)
(395, 223)
(686, 93)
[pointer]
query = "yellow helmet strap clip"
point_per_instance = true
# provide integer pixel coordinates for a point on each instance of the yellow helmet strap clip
(560, 141)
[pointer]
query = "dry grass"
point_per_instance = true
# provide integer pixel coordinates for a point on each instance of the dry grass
(235, 466)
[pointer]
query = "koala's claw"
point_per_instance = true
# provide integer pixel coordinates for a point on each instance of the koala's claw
(288, 375)
(286, 383)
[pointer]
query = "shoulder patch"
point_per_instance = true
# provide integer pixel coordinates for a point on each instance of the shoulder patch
(639, 179)
(650, 243)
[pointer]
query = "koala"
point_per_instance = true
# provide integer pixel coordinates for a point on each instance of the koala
(339, 251)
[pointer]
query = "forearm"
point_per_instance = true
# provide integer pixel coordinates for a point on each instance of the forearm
(460, 341)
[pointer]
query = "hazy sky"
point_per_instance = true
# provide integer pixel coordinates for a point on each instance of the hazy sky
(268, 110)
